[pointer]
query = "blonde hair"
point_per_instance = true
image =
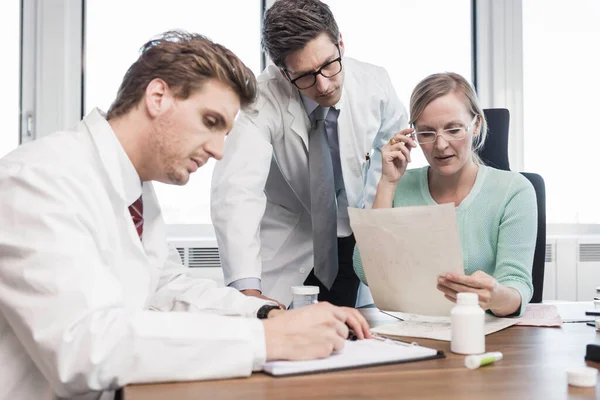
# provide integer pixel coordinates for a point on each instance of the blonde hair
(438, 85)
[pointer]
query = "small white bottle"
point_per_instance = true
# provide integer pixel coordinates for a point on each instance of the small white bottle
(304, 296)
(467, 322)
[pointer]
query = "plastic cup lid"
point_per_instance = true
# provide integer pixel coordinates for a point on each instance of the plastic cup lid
(584, 376)
(305, 290)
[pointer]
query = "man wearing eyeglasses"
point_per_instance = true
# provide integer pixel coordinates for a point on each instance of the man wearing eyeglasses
(308, 152)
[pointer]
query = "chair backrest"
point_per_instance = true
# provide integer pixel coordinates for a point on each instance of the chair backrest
(495, 149)
(539, 256)
(495, 154)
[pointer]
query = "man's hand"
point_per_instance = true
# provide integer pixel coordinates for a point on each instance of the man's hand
(311, 332)
(257, 293)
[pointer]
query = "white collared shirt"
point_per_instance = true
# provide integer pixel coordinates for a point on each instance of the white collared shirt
(85, 307)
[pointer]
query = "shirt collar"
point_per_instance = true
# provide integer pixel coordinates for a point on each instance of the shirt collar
(310, 105)
(113, 156)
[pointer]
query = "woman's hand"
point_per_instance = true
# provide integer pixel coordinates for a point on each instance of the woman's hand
(493, 296)
(396, 156)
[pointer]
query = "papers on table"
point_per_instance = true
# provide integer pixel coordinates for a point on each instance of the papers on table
(438, 328)
(404, 250)
(573, 311)
(540, 315)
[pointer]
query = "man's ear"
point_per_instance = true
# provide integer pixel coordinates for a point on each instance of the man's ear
(341, 44)
(157, 97)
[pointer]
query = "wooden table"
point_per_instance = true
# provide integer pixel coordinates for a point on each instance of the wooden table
(534, 367)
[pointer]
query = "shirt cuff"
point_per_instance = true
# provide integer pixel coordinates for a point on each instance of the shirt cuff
(525, 293)
(259, 344)
(246, 284)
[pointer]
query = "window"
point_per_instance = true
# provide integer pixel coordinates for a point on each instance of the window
(409, 38)
(561, 85)
(114, 32)
(10, 26)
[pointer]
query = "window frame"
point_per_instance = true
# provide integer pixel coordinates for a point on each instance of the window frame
(53, 46)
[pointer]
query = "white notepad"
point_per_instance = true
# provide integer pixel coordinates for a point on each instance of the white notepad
(359, 353)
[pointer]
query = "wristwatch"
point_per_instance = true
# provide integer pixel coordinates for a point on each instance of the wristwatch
(263, 312)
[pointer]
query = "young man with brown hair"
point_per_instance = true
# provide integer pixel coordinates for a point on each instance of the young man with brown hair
(89, 300)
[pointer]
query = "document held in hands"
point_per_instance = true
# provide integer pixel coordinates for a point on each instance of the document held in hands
(403, 251)
(359, 353)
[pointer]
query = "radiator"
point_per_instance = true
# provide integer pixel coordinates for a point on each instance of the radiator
(572, 264)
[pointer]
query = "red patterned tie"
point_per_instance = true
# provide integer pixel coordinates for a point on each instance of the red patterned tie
(137, 215)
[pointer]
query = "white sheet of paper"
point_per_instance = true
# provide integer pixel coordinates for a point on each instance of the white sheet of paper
(573, 311)
(437, 328)
(404, 250)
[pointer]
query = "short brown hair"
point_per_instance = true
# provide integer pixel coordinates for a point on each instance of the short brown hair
(441, 84)
(185, 61)
(290, 24)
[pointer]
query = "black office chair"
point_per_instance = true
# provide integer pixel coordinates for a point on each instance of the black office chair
(495, 154)
(539, 257)
(495, 149)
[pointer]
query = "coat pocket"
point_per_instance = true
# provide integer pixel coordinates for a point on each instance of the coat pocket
(275, 228)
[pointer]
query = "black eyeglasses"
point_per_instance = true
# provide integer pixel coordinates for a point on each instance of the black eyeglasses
(329, 70)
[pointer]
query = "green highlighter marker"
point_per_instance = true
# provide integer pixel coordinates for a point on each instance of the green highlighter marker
(479, 360)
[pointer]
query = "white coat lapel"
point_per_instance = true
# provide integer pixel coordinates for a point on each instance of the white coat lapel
(292, 156)
(155, 236)
(103, 138)
(350, 152)
(297, 118)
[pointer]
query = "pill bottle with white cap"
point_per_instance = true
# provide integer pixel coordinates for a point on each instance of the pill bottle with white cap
(467, 325)
(304, 296)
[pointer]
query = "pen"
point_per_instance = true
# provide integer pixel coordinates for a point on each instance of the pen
(351, 335)
(593, 313)
(396, 341)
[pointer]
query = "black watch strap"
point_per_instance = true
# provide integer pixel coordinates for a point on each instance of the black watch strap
(263, 312)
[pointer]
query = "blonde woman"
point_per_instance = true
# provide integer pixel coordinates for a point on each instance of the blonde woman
(496, 210)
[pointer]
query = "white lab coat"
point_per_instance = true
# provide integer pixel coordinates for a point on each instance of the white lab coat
(260, 198)
(80, 295)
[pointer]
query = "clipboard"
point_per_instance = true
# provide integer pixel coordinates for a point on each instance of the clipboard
(356, 354)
